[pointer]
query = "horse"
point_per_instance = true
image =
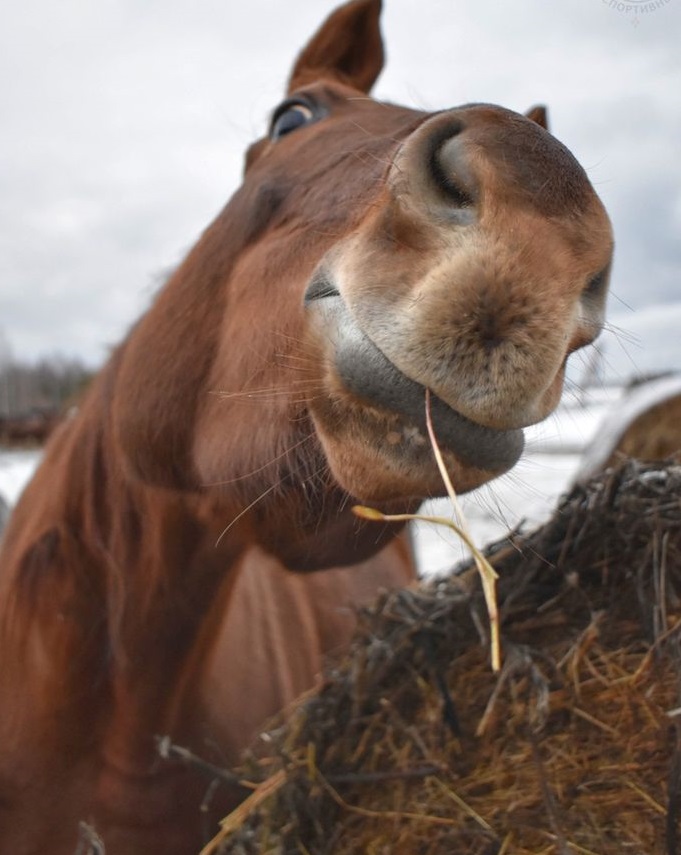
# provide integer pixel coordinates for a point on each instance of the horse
(187, 552)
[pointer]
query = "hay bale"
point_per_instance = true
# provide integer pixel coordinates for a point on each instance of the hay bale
(414, 746)
(645, 424)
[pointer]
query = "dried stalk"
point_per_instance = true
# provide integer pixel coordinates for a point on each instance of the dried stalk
(488, 575)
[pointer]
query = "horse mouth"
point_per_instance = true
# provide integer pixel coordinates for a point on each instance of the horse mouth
(371, 377)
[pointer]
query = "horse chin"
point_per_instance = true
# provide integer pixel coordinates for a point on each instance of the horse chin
(377, 457)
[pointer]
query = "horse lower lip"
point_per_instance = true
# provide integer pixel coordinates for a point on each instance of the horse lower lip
(367, 373)
(473, 444)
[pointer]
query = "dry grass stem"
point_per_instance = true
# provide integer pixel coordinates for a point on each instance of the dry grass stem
(487, 573)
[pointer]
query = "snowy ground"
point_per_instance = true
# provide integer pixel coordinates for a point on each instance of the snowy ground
(16, 467)
(528, 493)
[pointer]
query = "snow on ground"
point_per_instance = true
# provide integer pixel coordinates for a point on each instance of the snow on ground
(528, 494)
(16, 467)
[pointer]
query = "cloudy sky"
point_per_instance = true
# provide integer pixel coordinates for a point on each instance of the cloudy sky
(124, 123)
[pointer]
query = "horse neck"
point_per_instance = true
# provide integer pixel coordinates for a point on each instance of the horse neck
(104, 577)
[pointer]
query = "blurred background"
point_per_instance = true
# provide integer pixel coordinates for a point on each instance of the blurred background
(124, 126)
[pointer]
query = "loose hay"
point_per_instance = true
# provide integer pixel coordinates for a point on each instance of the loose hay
(413, 745)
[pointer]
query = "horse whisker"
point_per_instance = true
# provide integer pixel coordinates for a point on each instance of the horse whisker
(255, 501)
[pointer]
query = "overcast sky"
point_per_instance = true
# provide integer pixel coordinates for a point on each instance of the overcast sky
(124, 122)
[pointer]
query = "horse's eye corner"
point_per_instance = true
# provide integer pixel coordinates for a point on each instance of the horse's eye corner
(288, 117)
(596, 285)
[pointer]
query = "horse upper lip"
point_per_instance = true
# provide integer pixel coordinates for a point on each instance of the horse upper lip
(369, 374)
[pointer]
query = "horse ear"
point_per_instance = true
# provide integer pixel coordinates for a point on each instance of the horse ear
(539, 114)
(347, 47)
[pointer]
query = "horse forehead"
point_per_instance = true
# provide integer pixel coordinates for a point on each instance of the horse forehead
(328, 170)
(356, 126)
(513, 151)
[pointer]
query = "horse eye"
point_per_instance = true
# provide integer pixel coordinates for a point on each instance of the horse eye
(289, 117)
(596, 284)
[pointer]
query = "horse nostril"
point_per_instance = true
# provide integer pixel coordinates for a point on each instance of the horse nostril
(451, 172)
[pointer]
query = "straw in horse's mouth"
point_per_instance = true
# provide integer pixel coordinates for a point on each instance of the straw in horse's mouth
(380, 382)
(370, 375)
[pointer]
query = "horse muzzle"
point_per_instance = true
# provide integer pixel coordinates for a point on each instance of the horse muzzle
(374, 381)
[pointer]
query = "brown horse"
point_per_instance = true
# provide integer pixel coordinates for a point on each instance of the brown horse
(372, 252)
